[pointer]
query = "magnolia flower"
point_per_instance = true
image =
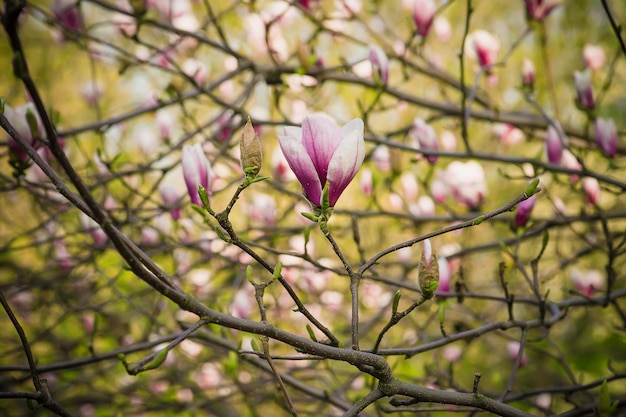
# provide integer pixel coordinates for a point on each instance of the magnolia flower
(584, 89)
(554, 145)
(591, 188)
(513, 348)
(380, 63)
(320, 153)
(367, 182)
(466, 182)
(196, 171)
(484, 47)
(170, 197)
(67, 14)
(423, 14)
(426, 138)
(507, 134)
(523, 211)
(528, 73)
(594, 56)
(606, 136)
(587, 282)
(539, 9)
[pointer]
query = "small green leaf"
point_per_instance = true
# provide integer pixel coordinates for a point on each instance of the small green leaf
(249, 274)
(432, 286)
(204, 197)
(309, 330)
(325, 198)
(310, 216)
(544, 243)
(2, 105)
(478, 220)
(157, 361)
(532, 188)
(604, 404)
(255, 346)
(259, 179)
(278, 269)
(32, 123)
(396, 301)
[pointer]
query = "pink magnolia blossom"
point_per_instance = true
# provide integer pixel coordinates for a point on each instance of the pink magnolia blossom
(196, 171)
(594, 56)
(513, 348)
(410, 188)
(584, 89)
(442, 28)
(523, 211)
(426, 138)
(568, 160)
(90, 226)
(67, 14)
(380, 63)
(366, 182)
(423, 15)
(382, 158)
(321, 152)
(484, 47)
(465, 181)
(170, 197)
(606, 136)
(587, 282)
(445, 278)
(539, 9)
(554, 144)
(528, 73)
(507, 134)
(591, 188)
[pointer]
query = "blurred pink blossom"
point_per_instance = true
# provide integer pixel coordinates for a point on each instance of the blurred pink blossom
(507, 134)
(366, 182)
(606, 136)
(524, 209)
(594, 56)
(587, 282)
(423, 14)
(90, 226)
(451, 353)
(465, 181)
(483, 46)
(513, 349)
(425, 137)
(568, 160)
(539, 9)
(554, 144)
(196, 171)
(442, 28)
(380, 63)
(528, 73)
(584, 89)
(591, 188)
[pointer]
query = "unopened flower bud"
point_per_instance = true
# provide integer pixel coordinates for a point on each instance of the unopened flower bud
(606, 136)
(251, 150)
(584, 89)
(523, 211)
(528, 73)
(428, 271)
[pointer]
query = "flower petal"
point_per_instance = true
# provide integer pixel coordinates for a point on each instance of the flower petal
(345, 163)
(302, 166)
(320, 137)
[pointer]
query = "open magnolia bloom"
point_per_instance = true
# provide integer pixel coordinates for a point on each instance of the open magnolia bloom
(320, 152)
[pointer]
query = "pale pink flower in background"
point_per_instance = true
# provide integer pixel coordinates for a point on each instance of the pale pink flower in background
(92, 92)
(466, 182)
(146, 138)
(316, 281)
(405, 255)
(62, 256)
(544, 401)
(381, 157)
(209, 377)
(243, 302)
(439, 189)
(568, 160)
(280, 167)
(366, 182)
(321, 152)
(528, 73)
(332, 300)
(262, 209)
(555, 144)
(448, 141)
(606, 136)
(297, 245)
(374, 295)
(507, 134)
(449, 251)
(90, 226)
(410, 188)
(594, 56)
(396, 202)
(584, 89)
(445, 277)
(196, 171)
(149, 235)
(423, 207)
(171, 198)
(423, 14)
(513, 349)
(587, 282)
(442, 28)
(425, 137)
(451, 353)
(196, 69)
(591, 188)
(166, 123)
(540, 9)
(380, 63)
(483, 46)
